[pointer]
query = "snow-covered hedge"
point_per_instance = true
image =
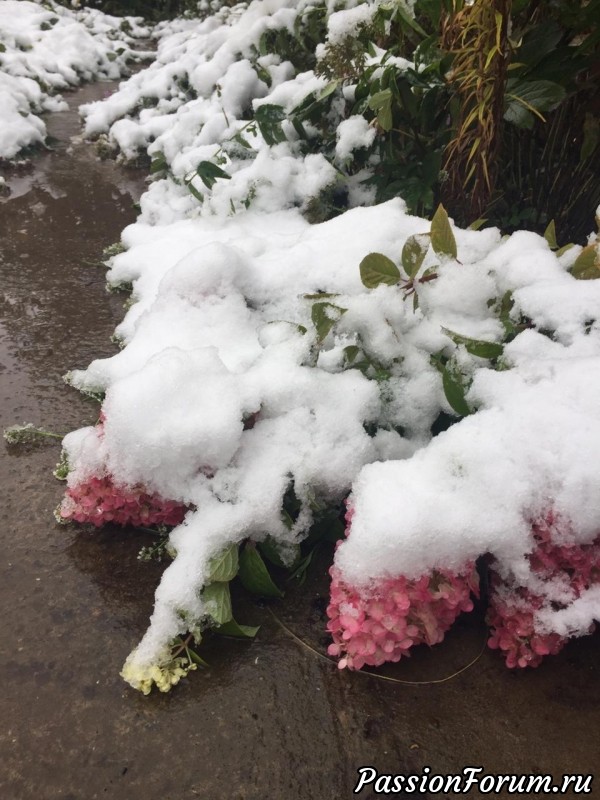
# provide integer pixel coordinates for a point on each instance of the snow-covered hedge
(239, 111)
(443, 382)
(46, 49)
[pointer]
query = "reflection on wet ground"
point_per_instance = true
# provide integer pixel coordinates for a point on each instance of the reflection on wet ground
(266, 719)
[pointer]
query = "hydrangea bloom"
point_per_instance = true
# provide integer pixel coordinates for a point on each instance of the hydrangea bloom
(372, 626)
(512, 616)
(164, 676)
(99, 501)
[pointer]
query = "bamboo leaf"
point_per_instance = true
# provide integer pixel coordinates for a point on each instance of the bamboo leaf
(209, 172)
(269, 118)
(193, 191)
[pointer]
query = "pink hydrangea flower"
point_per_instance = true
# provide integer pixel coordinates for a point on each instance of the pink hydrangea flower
(512, 612)
(380, 624)
(99, 501)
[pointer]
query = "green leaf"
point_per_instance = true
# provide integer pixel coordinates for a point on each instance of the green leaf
(209, 172)
(254, 574)
(504, 311)
(269, 118)
(324, 317)
(433, 11)
(479, 223)
(453, 388)
(217, 601)
(224, 567)
(413, 253)
(379, 99)
(477, 347)
(376, 269)
(320, 296)
(232, 628)
(272, 551)
(442, 238)
(384, 117)
(263, 43)
(381, 102)
(564, 249)
(243, 142)
(405, 16)
(518, 115)
(351, 352)
(550, 235)
(539, 41)
(193, 656)
(192, 190)
(158, 163)
(525, 98)
(263, 74)
(300, 572)
(455, 394)
(587, 264)
(327, 90)
(541, 95)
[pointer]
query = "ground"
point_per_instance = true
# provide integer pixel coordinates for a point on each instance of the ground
(267, 719)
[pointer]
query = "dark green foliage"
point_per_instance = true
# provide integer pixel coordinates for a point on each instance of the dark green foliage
(548, 151)
(149, 9)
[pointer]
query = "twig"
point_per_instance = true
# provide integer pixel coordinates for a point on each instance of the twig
(300, 641)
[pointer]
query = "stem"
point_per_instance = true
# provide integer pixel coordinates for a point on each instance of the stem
(184, 646)
(47, 433)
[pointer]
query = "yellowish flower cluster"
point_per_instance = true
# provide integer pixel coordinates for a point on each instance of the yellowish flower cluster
(164, 676)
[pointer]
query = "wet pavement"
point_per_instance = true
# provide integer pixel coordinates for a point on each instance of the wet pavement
(267, 719)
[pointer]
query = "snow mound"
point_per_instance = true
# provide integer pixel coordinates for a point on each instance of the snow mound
(46, 48)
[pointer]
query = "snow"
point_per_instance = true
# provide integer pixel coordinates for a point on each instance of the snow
(344, 24)
(353, 133)
(221, 330)
(477, 487)
(45, 49)
(213, 337)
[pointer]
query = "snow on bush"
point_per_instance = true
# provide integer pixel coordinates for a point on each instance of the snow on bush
(266, 316)
(46, 49)
(265, 357)
(237, 113)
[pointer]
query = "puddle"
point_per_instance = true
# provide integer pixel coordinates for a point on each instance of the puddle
(267, 719)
